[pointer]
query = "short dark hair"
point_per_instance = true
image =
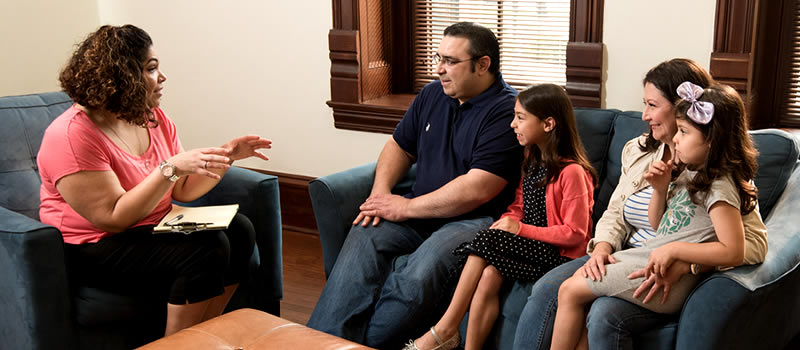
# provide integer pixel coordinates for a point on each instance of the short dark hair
(482, 42)
(666, 77)
(107, 71)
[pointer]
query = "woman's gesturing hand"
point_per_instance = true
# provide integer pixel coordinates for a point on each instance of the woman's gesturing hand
(247, 146)
(595, 267)
(201, 161)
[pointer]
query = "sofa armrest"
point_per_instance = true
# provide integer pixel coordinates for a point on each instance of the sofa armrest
(335, 199)
(34, 293)
(752, 306)
(721, 314)
(258, 197)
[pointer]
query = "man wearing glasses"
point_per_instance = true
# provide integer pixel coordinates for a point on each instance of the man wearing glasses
(396, 272)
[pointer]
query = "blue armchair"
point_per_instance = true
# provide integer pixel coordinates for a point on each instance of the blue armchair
(747, 307)
(41, 309)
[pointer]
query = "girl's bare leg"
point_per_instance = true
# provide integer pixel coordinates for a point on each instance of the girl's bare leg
(447, 327)
(184, 316)
(573, 296)
(484, 308)
(583, 344)
(217, 304)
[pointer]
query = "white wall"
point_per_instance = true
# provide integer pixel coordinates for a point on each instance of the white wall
(37, 38)
(640, 34)
(254, 66)
(250, 66)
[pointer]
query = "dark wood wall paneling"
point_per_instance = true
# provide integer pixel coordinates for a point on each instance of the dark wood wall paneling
(370, 64)
(731, 59)
(371, 61)
(585, 53)
(771, 56)
(748, 54)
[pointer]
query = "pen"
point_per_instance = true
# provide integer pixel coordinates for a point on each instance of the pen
(173, 220)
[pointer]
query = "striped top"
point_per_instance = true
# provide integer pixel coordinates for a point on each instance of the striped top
(635, 212)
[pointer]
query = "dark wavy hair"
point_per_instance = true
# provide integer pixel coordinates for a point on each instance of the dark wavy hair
(107, 71)
(482, 42)
(666, 77)
(732, 151)
(549, 100)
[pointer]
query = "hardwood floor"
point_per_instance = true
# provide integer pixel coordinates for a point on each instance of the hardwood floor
(303, 275)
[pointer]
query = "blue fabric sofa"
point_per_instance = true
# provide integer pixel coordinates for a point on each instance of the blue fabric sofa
(744, 308)
(40, 308)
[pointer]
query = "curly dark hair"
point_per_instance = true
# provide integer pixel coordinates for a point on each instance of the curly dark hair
(666, 77)
(550, 100)
(106, 72)
(732, 151)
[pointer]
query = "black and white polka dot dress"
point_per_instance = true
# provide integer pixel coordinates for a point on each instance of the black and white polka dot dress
(515, 257)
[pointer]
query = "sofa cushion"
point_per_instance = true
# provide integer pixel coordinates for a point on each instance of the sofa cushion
(777, 152)
(604, 133)
(783, 235)
(24, 120)
(595, 130)
(627, 126)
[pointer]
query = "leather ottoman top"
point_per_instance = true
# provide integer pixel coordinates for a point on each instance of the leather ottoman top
(251, 329)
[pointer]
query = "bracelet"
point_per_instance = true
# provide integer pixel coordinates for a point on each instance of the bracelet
(695, 269)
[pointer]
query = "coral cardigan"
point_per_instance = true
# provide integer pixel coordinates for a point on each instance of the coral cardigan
(568, 204)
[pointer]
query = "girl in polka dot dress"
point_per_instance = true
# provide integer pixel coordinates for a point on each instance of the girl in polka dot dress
(548, 224)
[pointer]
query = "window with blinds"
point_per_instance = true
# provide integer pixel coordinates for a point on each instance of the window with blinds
(533, 36)
(791, 105)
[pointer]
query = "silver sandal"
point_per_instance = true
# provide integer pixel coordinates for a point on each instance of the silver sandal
(450, 344)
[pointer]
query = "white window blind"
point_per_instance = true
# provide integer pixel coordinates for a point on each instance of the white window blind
(791, 109)
(533, 36)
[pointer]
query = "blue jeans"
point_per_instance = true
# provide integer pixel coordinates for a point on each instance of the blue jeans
(612, 322)
(391, 281)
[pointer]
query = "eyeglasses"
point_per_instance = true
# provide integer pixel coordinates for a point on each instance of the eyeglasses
(448, 61)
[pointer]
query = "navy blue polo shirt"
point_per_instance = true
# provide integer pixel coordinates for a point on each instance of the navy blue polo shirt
(448, 139)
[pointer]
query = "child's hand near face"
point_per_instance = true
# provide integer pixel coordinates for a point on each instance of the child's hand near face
(659, 175)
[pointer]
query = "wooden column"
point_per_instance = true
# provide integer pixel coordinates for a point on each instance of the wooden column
(585, 53)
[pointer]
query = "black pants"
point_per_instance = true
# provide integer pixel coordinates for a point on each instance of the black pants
(173, 266)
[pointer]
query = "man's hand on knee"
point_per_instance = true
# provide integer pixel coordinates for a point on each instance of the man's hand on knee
(364, 220)
(385, 206)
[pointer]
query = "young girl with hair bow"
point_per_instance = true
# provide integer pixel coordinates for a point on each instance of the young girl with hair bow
(696, 209)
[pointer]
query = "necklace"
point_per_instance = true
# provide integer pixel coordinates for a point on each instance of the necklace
(131, 149)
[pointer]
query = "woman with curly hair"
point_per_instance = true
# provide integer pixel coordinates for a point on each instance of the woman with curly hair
(111, 165)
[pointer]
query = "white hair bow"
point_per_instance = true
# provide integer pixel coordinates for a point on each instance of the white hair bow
(701, 111)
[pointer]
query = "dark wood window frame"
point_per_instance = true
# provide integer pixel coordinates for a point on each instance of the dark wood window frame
(370, 48)
(750, 54)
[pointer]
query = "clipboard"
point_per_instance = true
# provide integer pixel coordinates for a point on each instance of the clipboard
(191, 219)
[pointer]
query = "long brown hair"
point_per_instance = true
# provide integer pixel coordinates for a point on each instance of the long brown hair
(666, 77)
(732, 152)
(563, 145)
(107, 71)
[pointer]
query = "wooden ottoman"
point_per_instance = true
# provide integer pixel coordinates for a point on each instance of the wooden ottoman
(250, 329)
